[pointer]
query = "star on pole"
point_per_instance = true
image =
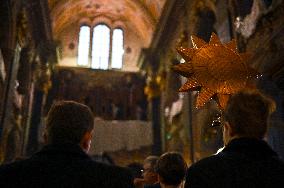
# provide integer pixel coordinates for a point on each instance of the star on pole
(214, 69)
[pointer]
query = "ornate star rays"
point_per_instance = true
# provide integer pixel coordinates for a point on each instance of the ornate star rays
(214, 69)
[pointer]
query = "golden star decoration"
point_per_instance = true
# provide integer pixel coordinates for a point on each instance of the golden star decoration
(215, 70)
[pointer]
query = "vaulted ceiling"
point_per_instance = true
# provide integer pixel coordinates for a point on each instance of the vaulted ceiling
(139, 15)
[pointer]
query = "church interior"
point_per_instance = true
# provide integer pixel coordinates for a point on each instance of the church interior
(116, 56)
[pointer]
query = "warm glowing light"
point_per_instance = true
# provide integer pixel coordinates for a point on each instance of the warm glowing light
(84, 46)
(117, 49)
(214, 69)
(100, 48)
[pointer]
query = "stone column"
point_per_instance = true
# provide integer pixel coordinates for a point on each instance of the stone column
(152, 90)
(42, 85)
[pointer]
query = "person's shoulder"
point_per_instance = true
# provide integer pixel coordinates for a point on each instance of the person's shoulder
(277, 165)
(209, 167)
(120, 177)
(109, 167)
(111, 176)
(10, 171)
(206, 170)
(157, 185)
(13, 165)
(208, 161)
(120, 171)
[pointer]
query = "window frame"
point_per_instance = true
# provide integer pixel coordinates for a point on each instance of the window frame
(89, 47)
(110, 50)
(92, 45)
(122, 55)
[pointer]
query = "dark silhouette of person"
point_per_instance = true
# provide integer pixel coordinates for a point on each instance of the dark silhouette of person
(64, 162)
(136, 169)
(149, 175)
(246, 159)
(171, 169)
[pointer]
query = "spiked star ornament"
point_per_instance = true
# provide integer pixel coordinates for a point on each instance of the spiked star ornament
(215, 70)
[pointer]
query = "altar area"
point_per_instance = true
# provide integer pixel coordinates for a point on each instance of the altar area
(112, 136)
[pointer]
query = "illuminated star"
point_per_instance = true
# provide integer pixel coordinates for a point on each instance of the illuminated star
(215, 70)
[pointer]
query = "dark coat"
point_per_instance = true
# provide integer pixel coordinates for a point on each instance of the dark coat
(156, 185)
(243, 163)
(63, 166)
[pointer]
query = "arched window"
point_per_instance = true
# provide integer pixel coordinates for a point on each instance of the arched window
(105, 43)
(84, 45)
(117, 49)
(100, 48)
